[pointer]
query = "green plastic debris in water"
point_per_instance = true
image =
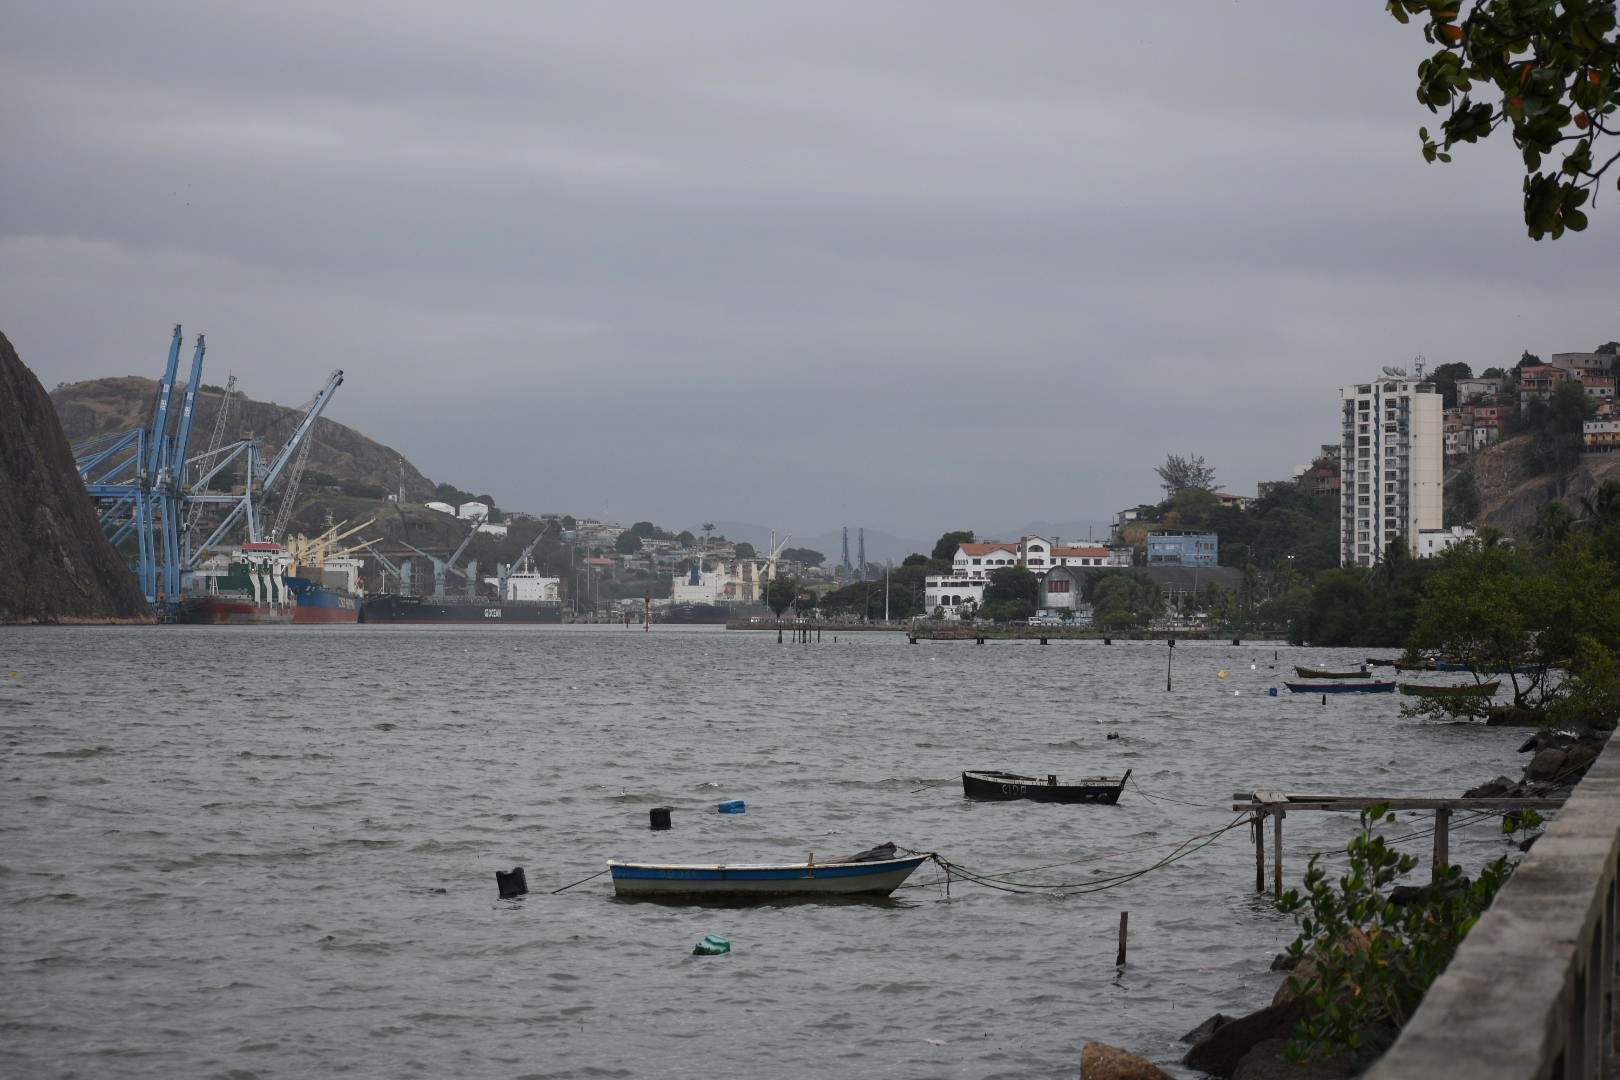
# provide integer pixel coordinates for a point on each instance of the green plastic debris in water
(712, 945)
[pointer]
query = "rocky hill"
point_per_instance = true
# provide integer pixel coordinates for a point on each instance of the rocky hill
(1511, 497)
(55, 564)
(340, 454)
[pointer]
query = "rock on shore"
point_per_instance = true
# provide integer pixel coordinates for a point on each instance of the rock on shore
(55, 564)
(1099, 1061)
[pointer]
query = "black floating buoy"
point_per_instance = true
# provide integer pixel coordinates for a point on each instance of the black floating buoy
(511, 883)
(1108, 641)
(660, 817)
(1237, 641)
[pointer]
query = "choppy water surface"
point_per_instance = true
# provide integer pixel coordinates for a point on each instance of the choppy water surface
(259, 852)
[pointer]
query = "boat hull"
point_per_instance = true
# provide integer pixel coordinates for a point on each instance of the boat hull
(393, 608)
(871, 879)
(1003, 787)
(1312, 673)
(320, 606)
(1341, 688)
(230, 611)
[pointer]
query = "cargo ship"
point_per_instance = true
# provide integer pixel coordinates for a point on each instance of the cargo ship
(523, 597)
(250, 588)
(335, 598)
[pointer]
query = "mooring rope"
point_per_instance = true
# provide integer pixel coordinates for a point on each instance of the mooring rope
(1005, 881)
(581, 881)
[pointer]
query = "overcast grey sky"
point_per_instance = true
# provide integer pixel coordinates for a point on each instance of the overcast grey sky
(906, 265)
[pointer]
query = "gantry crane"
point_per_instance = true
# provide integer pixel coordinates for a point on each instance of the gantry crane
(139, 479)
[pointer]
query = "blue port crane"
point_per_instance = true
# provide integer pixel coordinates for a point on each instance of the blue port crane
(139, 480)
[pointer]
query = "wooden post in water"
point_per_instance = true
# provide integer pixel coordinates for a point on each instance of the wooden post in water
(1124, 923)
(1169, 656)
(1442, 843)
(1276, 854)
(1259, 851)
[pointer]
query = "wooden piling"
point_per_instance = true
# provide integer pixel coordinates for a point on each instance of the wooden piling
(1043, 641)
(1276, 854)
(1442, 843)
(1259, 851)
(1124, 924)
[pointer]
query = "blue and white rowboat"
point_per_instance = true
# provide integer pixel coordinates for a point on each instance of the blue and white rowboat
(878, 877)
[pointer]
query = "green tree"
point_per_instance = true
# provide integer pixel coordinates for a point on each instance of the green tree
(1013, 584)
(780, 594)
(628, 543)
(1552, 72)
(568, 522)
(915, 559)
(804, 603)
(1124, 600)
(1528, 359)
(807, 556)
(1179, 472)
(1445, 376)
(686, 539)
(945, 547)
(1462, 499)
(745, 550)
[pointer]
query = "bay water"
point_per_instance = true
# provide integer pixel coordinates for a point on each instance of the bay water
(270, 851)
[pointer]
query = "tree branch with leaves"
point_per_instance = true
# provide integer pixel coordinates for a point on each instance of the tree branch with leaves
(1551, 69)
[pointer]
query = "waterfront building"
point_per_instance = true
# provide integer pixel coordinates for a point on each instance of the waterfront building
(1061, 589)
(1182, 548)
(1391, 464)
(975, 561)
(950, 592)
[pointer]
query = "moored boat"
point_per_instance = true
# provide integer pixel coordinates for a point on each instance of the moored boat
(1313, 673)
(995, 785)
(1374, 687)
(1464, 691)
(853, 876)
(1373, 661)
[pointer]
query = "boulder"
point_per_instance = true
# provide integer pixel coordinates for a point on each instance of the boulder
(1220, 1053)
(1578, 757)
(1546, 764)
(1284, 962)
(1207, 1028)
(1513, 716)
(1099, 1061)
(1491, 789)
(1267, 1062)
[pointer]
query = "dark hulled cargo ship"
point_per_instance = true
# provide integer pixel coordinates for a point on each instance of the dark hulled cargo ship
(393, 608)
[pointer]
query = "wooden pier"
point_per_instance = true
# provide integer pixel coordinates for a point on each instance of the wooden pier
(1277, 804)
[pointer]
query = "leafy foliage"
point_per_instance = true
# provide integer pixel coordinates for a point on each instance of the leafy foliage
(1178, 473)
(1553, 70)
(780, 594)
(945, 547)
(1366, 962)
(807, 556)
(628, 543)
(745, 550)
(1124, 599)
(1445, 376)
(1531, 613)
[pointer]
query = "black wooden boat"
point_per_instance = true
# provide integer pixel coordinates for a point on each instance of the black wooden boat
(990, 784)
(1317, 673)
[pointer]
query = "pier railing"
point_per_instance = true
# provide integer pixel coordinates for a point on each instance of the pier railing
(1530, 994)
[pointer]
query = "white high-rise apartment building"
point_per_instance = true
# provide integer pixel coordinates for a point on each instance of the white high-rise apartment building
(1390, 467)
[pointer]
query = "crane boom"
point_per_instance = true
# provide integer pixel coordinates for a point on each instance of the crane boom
(334, 381)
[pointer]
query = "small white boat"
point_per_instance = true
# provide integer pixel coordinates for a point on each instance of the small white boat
(857, 876)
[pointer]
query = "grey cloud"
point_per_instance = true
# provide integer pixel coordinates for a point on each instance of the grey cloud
(910, 265)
